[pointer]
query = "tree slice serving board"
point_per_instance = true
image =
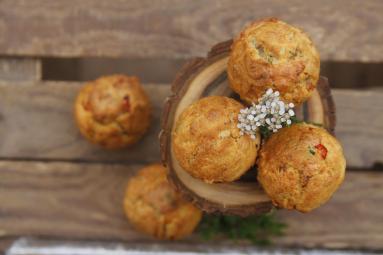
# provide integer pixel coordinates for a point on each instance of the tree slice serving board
(202, 77)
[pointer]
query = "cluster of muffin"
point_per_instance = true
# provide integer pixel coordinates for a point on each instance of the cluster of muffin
(301, 165)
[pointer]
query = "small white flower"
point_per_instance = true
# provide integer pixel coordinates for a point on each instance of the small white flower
(270, 112)
(263, 108)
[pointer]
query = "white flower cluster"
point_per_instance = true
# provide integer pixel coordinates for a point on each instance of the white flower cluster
(270, 112)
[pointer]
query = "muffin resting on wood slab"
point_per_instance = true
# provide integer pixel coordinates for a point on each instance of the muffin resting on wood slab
(113, 111)
(207, 142)
(153, 207)
(301, 166)
(272, 54)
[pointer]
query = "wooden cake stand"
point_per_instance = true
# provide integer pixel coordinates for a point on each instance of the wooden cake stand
(201, 77)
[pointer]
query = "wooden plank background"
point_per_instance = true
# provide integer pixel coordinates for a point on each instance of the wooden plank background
(54, 184)
(172, 28)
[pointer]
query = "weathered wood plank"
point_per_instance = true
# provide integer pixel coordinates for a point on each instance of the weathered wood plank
(20, 69)
(83, 201)
(36, 122)
(360, 126)
(172, 28)
(64, 200)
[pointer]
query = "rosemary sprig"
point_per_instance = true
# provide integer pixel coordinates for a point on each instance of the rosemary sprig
(295, 120)
(257, 229)
(265, 132)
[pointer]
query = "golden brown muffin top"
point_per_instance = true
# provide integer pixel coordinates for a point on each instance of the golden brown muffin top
(110, 96)
(155, 208)
(151, 187)
(301, 166)
(113, 111)
(207, 142)
(270, 53)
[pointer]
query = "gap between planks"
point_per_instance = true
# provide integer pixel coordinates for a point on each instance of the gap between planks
(36, 123)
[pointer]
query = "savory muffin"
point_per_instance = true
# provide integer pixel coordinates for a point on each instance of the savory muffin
(272, 54)
(113, 111)
(153, 207)
(208, 144)
(301, 166)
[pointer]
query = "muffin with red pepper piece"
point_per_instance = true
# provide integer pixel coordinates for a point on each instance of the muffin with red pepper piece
(153, 207)
(301, 166)
(113, 111)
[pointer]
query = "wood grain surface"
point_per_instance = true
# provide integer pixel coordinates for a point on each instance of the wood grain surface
(83, 201)
(20, 69)
(68, 200)
(360, 125)
(347, 30)
(36, 122)
(32, 112)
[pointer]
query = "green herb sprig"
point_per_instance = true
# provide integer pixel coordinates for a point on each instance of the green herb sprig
(257, 229)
